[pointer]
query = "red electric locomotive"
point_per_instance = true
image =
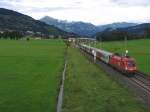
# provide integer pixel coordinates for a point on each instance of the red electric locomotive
(124, 64)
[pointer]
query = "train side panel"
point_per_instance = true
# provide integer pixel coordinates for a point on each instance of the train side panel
(117, 62)
(103, 55)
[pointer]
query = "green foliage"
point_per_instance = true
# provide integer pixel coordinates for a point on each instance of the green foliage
(116, 35)
(89, 89)
(29, 75)
(11, 35)
(147, 32)
(27, 38)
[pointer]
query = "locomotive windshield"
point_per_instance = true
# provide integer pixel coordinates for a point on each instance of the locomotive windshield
(131, 64)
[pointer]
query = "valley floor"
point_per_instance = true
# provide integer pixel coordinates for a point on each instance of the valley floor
(89, 89)
(30, 73)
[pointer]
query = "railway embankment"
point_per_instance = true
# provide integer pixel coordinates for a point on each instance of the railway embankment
(139, 84)
(88, 89)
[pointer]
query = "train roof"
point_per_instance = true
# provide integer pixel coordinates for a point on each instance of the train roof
(98, 50)
(104, 52)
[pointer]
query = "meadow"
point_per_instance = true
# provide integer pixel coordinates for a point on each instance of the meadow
(138, 49)
(30, 73)
(89, 89)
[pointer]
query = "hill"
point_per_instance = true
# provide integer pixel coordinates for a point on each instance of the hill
(134, 32)
(82, 28)
(14, 21)
(138, 29)
(116, 25)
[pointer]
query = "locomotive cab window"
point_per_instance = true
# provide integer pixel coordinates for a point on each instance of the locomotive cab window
(131, 64)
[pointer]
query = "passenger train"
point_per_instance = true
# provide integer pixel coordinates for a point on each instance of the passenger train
(125, 64)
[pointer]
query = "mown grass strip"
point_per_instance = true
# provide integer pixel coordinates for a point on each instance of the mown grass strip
(89, 89)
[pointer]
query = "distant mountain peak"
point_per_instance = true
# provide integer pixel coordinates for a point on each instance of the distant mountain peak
(83, 28)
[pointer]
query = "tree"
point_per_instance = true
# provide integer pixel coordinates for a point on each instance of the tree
(11, 35)
(147, 32)
(112, 35)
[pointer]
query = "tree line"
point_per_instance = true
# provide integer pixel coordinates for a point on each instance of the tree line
(114, 35)
(18, 35)
(11, 35)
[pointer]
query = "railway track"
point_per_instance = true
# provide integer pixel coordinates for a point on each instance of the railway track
(141, 80)
(140, 83)
(142, 75)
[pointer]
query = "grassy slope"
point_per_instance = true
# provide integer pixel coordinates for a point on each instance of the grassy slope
(139, 49)
(88, 89)
(29, 74)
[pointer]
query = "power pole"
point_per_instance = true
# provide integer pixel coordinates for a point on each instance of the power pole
(101, 42)
(125, 45)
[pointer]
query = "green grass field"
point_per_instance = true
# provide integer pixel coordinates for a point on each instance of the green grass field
(139, 49)
(89, 89)
(30, 74)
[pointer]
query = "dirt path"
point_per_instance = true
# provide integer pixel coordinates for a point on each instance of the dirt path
(61, 92)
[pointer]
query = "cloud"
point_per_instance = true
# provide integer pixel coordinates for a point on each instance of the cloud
(15, 0)
(49, 9)
(40, 5)
(5, 4)
(132, 2)
(95, 11)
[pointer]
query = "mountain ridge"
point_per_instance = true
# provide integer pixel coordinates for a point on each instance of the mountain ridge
(83, 28)
(14, 21)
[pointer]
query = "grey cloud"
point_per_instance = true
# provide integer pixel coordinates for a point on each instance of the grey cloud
(132, 2)
(11, 0)
(4, 4)
(22, 8)
(49, 9)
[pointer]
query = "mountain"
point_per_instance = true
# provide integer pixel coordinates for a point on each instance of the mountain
(133, 32)
(116, 25)
(82, 28)
(138, 29)
(14, 21)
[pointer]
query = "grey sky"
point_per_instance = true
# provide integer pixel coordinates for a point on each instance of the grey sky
(94, 11)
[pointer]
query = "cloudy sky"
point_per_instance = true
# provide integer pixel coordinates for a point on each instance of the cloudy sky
(94, 11)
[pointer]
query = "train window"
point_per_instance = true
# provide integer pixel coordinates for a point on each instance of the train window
(131, 64)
